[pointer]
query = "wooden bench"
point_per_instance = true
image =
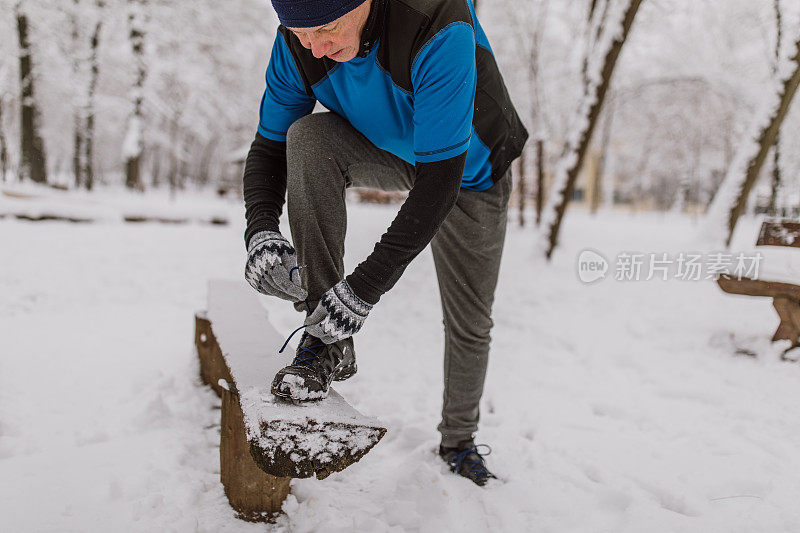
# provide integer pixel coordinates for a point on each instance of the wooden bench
(784, 292)
(266, 441)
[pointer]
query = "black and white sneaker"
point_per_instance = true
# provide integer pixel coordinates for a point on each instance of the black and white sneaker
(466, 461)
(315, 366)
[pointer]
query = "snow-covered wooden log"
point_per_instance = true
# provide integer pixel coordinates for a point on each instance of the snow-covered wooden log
(238, 350)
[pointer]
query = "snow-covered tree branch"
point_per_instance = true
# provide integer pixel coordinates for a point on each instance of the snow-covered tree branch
(600, 69)
(729, 202)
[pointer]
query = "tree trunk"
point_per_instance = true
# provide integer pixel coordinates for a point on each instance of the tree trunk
(78, 149)
(77, 116)
(3, 147)
(132, 149)
(32, 162)
(94, 72)
(570, 165)
(776, 153)
(539, 180)
(605, 141)
(172, 171)
(744, 170)
(595, 24)
(776, 177)
(187, 142)
(155, 170)
(204, 167)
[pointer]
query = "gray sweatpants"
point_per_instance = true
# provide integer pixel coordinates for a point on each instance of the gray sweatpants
(325, 155)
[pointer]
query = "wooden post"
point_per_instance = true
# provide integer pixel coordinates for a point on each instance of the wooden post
(265, 441)
(254, 494)
(212, 364)
(789, 313)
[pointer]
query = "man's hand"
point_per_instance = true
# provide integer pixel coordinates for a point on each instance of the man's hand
(270, 260)
(340, 314)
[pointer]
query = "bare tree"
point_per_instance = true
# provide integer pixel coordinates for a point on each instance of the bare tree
(85, 71)
(571, 163)
(78, 120)
(776, 153)
(539, 180)
(91, 91)
(173, 177)
(529, 35)
(605, 142)
(521, 188)
(155, 166)
(729, 202)
(32, 165)
(133, 144)
(3, 147)
(596, 18)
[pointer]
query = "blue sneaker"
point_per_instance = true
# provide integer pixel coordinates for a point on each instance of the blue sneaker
(466, 461)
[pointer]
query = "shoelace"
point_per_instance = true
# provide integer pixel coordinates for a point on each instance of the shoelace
(477, 467)
(308, 307)
(308, 360)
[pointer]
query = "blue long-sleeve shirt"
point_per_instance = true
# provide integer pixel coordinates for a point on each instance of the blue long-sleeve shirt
(424, 87)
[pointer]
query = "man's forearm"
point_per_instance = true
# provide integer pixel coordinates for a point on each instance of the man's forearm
(264, 185)
(433, 195)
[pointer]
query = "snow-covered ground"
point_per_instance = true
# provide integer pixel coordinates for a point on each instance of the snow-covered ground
(610, 407)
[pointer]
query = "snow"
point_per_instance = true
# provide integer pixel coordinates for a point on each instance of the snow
(610, 407)
(776, 263)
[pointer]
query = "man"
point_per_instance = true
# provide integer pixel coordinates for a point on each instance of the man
(417, 103)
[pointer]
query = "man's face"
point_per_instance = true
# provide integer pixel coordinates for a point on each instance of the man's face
(340, 39)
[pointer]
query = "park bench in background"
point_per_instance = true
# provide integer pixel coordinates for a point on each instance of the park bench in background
(778, 277)
(266, 441)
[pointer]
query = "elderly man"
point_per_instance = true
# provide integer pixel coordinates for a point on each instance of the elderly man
(416, 103)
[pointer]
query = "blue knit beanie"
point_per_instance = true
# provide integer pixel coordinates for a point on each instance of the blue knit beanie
(310, 13)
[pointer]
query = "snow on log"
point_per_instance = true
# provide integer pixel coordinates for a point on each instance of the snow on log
(286, 439)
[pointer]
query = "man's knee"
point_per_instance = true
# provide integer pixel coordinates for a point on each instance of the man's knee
(310, 132)
(311, 156)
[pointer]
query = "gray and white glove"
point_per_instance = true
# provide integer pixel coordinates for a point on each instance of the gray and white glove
(340, 314)
(270, 260)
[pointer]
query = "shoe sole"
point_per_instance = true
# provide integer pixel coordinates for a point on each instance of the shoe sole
(285, 395)
(340, 374)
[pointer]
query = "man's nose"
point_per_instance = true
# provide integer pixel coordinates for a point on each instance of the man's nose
(319, 45)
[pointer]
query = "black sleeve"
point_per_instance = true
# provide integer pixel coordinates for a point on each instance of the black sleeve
(264, 185)
(433, 195)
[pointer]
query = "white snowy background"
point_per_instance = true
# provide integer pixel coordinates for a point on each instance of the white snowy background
(610, 407)
(615, 406)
